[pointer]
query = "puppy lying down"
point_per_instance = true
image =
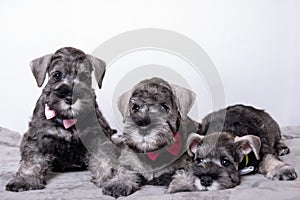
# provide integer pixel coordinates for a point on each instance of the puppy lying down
(236, 140)
(155, 132)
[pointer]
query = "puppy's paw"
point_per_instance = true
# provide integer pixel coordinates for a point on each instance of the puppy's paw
(117, 189)
(173, 189)
(282, 173)
(19, 184)
(182, 182)
(281, 149)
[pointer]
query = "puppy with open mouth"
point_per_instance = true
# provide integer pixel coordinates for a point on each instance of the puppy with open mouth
(156, 127)
(246, 140)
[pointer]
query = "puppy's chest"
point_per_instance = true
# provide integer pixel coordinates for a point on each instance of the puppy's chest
(61, 144)
(150, 169)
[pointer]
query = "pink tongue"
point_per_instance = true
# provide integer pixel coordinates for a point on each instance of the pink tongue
(49, 113)
(69, 122)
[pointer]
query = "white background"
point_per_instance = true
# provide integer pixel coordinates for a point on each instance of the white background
(254, 44)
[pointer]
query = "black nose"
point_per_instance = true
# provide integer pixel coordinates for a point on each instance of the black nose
(145, 121)
(70, 100)
(66, 92)
(206, 181)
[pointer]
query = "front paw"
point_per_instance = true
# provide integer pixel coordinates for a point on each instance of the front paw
(175, 189)
(19, 184)
(282, 173)
(183, 181)
(117, 189)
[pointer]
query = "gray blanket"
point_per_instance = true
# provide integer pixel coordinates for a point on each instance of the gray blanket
(77, 185)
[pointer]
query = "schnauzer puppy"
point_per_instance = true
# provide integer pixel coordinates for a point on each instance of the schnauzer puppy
(154, 136)
(247, 140)
(66, 118)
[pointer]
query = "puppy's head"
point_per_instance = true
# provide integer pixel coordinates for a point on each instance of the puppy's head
(152, 111)
(69, 88)
(217, 156)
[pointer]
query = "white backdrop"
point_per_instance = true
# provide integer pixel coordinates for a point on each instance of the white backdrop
(254, 44)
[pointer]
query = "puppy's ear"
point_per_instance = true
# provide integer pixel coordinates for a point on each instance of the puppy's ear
(193, 142)
(99, 67)
(39, 68)
(184, 98)
(246, 144)
(123, 102)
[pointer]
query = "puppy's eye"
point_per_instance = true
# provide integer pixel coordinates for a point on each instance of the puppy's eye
(199, 160)
(135, 108)
(164, 108)
(57, 76)
(225, 162)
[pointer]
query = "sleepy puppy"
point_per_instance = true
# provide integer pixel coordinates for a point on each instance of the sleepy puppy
(246, 140)
(154, 137)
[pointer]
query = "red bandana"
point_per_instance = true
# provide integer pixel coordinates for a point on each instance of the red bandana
(174, 149)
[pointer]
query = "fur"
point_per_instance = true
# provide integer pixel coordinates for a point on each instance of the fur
(227, 136)
(48, 145)
(154, 111)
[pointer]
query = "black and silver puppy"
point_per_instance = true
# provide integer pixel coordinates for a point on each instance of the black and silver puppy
(235, 140)
(156, 127)
(66, 118)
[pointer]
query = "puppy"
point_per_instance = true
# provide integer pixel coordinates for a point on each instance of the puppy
(155, 132)
(66, 121)
(246, 140)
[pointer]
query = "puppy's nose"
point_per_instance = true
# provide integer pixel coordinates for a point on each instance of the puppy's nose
(66, 92)
(145, 121)
(70, 99)
(206, 181)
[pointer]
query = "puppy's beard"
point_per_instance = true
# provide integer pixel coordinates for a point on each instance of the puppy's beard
(67, 111)
(214, 186)
(147, 139)
(228, 180)
(222, 179)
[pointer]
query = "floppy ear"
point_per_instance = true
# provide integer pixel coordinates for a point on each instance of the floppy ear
(39, 68)
(123, 102)
(246, 144)
(193, 142)
(99, 67)
(184, 98)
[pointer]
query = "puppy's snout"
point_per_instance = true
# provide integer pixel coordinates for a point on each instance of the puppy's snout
(143, 121)
(140, 115)
(70, 100)
(206, 181)
(66, 92)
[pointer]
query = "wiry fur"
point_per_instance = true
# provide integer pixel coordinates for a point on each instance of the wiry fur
(47, 144)
(153, 112)
(244, 130)
(152, 97)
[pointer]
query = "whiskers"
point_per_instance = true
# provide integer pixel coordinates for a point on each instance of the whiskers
(148, 139)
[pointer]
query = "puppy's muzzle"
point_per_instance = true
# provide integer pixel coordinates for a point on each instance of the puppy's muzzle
(142, 121)
(207, 174)
(206, 181)
(66, 92)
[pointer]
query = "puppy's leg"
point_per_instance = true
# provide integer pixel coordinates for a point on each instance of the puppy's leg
(281, 148)
(123, 183)
(31, 174)
(275, 169)
(183, 181)
(101, 170)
